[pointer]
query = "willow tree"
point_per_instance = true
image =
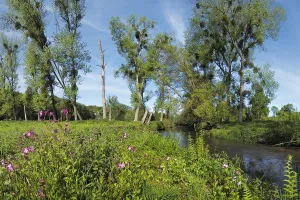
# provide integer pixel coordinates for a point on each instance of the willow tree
(132, 38)
(28, 17)
(68, 52)
(247, 25)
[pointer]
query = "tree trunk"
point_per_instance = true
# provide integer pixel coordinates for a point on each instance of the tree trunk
(136, 116)
(144, 117)
(79, 116)
(161, 115)
(149, 119)
(75, 112)
(25, 116)
(103, 78)
(53, 101)
(240, 117)
(110, 113)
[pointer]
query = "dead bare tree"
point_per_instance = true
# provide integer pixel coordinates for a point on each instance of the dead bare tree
(102, 65)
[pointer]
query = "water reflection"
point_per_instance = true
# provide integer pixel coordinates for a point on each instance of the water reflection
(259, 160)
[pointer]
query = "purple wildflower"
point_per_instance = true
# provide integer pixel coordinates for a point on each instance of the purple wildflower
(41, 193)
(66, 112)
(31, 149)
(41, 113)
(50, 114)
(66, 124)
(3, 163)
(224, 166)
(29, 134)
(54, 131)
(121, 165)
(25, 151)
(10, 167)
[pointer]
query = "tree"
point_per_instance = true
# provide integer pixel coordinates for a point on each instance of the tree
(275, 111)
(102, 65)
(28, 17)
(163, 56)
(69, 54)
(247, 24)
(8, 72)
(132, 39)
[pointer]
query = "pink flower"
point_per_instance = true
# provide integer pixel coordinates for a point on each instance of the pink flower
(239, 183)
(50, 114)
(31, 149)
(66, 112)
(66, 124)
(224, 166)
(41, 193)
(3, 163)
(168, 158)
(41, 113)
(121, 165)
(29, 134)
(10, 167)
(25, 151)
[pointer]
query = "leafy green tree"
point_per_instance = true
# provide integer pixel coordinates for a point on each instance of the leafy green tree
(28, 17)
(247, 24)
(274, 110)
(259, 102)
(163, 56)
(9, 85)
(132, 39)
(69, 54)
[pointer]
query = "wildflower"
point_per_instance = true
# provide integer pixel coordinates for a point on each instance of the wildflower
(65, 111)
(234, 178)
(66, 124)
(31, 149)
(10, 167)
(90, 139)
(3, 163)
(239, 183)
(168, 158)
(50, 114)
(41, 193)
(41, 113)
(238, 172)
(29, 134)
(121, 165)
(54, 131)
(25, 151)
(224, 166)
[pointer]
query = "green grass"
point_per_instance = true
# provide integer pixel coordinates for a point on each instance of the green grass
(93, 160)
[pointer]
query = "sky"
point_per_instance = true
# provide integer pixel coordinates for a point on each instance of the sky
(172, 16)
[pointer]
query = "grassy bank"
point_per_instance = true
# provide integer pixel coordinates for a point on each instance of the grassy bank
(116, 160)
(268, 132)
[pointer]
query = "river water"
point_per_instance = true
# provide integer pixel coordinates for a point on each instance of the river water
(259, 161)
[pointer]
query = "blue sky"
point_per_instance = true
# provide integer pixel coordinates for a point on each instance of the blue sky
(172, 16)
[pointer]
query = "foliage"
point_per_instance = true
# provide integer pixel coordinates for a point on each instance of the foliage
(111, 160)
(291, 185)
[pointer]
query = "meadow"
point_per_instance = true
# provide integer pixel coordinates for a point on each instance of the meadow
(119, 160)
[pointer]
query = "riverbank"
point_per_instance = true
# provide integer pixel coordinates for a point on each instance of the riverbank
(115, 160)
(277, 133)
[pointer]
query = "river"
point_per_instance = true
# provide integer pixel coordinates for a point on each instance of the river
(259, 161)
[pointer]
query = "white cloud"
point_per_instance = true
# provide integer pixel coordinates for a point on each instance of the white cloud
(175, 19)
(49, 8)
(94, 25)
